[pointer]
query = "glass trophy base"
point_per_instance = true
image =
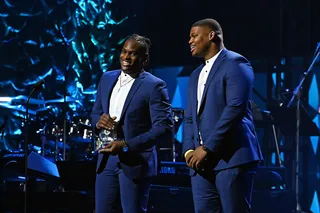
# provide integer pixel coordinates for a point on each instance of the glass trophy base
(100, 144)
(104, 138)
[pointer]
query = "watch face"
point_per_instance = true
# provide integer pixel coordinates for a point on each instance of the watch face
(125, 149)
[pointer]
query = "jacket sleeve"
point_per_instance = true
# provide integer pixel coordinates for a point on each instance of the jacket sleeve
(161, 118)
(239, 82)
(188, 140)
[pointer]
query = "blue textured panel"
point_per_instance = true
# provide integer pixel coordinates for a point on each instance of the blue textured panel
(314, 103)
(282, 156)
(314, 140)
(273, 158)
(314, 94)
(274, 78)
(180, 97)
(315, 204)
(177, 99)
(179, 135)
(169, 75)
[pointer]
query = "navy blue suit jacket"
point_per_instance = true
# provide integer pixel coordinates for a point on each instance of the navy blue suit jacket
(224, 119)
(145, 120)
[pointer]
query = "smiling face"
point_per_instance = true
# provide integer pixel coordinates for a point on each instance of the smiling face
(132, 57)
(201, 41)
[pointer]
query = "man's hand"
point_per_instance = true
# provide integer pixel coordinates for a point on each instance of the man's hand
(113, 148)
(189, 157)
(106, 122)
(198, 157)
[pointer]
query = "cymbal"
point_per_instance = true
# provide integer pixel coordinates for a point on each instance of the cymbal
(61, 100)
(23, 99)
(18, 108)
(47, 110)
(44, 109)
(52, 144)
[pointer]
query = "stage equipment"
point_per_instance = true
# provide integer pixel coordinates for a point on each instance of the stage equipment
(297, 95)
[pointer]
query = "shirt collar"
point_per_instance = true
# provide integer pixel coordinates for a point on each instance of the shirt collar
(124, 77)
(211, 60)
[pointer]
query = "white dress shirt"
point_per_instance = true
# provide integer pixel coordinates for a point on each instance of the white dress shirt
(204, 76)
(119, 95)
(203, 79)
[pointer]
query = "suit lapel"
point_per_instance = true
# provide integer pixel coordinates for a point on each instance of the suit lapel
(111, 83)
(136, 84)
(195, 91)
(213, 72)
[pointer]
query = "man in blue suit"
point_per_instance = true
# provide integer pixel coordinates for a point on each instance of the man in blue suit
(220, 144)
(136, 105)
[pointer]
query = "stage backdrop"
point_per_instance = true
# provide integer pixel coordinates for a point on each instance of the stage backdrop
(70, 44)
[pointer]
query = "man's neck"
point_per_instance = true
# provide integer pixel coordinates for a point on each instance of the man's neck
(213, 51)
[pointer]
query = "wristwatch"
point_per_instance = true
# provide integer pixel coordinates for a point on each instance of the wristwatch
(125, 147)
(206, 148)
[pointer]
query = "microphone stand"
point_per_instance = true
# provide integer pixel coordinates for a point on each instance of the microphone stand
(297, 95)
(36, 87)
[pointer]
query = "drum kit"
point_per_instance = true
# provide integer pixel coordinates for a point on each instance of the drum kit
(54, 130)
(46, 130)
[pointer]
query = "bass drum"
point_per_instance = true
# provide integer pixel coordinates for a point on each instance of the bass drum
(80, 129)
(80, 138)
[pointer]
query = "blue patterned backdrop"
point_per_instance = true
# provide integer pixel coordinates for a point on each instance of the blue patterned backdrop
(69, 44)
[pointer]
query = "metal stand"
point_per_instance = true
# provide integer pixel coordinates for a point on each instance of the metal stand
(26, 151)
(178, 116)
(38, 85)
(56, 140)
(277, 145)
(297, 95)
(268, 119)
(67, 44)
(173, 149)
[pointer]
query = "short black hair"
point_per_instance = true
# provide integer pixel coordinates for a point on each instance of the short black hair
(211, 24)
(145, 45)
(144, 41)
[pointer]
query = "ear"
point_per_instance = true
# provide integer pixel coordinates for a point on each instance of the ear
(145, 60)
(212, 35)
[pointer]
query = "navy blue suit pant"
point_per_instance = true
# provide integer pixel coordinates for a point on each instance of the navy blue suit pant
(225, 191)
(115, 192)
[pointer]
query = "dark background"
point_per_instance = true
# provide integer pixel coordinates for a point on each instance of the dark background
(255, 28)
